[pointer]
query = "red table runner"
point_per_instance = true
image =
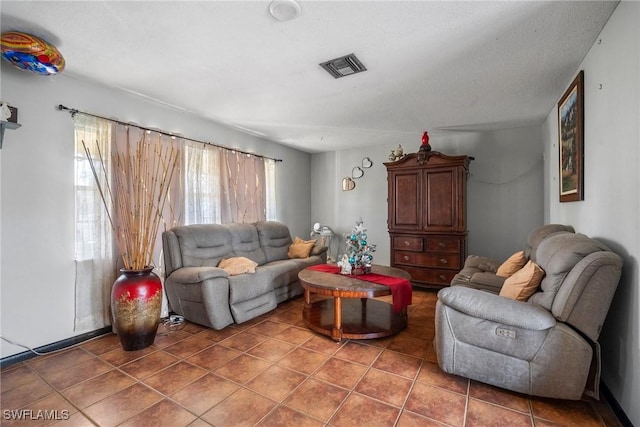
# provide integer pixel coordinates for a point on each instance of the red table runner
(400, 288)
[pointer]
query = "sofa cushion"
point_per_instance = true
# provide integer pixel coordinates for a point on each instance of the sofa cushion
(539, 234)
(514, 263)
(274, 238)
(244, 287)
(245, 242)
(522, 284)
(238, 265)
(300, 248)
(557, 255)
(282, 272)
(203, 245)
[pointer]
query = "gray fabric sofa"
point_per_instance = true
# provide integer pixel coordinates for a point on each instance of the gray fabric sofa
(546, 346)
(205, 294)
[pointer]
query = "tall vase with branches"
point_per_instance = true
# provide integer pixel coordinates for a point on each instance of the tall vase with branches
(135, 197)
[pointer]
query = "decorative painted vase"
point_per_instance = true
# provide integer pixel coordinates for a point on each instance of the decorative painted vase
(136, 302)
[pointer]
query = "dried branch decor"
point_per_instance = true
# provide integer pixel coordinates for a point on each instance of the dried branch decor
(136, 196)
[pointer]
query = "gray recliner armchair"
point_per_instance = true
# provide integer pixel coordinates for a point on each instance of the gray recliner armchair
(546, 346)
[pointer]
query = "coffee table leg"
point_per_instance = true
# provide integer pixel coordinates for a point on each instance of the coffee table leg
(307, 297)
(337, 319)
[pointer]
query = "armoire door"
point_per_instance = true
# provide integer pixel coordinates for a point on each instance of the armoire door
(405, 188)
(441, 194)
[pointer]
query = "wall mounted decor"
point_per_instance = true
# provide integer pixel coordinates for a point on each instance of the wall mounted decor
(8, 119)
(30, 53)
(348, 184)
(571, 141)
(357, 172)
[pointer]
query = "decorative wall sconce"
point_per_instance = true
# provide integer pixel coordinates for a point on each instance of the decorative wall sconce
(357, 172)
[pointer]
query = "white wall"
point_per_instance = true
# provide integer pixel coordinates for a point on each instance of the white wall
(37, 198)
(611, 203)
(504, 190)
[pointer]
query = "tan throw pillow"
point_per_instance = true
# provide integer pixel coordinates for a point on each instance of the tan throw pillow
(300, 248)
(524, 283)
(238, 265)
(511, 265)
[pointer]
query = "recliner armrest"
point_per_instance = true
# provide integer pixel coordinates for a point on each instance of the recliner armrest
(492, 307)
(196, 274)
(482, 263)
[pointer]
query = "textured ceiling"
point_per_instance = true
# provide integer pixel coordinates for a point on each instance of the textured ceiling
(437, 66)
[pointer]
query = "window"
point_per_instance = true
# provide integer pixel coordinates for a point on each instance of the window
(202, 184)
(93, 230)
(224, 186)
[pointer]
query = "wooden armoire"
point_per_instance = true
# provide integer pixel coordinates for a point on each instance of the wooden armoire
(427, 215)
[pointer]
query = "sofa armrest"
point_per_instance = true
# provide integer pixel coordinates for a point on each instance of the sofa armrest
(318, 250)
(492, 307)
(482, 263)
(197, 274)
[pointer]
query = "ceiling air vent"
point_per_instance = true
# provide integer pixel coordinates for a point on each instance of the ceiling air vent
(343, 66)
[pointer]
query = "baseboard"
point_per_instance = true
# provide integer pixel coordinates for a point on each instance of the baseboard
(615, 406)
(26, 355)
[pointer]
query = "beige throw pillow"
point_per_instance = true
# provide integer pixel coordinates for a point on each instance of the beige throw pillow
(512, 265)
(238, 265)
(300, 248)
(524, 283)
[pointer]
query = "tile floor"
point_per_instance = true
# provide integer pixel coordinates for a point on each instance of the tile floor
(272, 371)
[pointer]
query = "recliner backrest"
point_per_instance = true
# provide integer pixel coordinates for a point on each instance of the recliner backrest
(537, 235)
(245, 242)
(203, 245)
(274, 238)
(581, 275)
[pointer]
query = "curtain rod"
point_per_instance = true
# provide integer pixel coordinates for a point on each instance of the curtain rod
(73, 112)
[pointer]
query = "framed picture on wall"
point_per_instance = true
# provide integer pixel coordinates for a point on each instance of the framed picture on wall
(571, 141)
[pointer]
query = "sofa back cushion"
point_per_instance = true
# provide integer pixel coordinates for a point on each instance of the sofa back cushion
(537, 235)
(274, 238)
(582, 275)
(203, 245)
(245, 242)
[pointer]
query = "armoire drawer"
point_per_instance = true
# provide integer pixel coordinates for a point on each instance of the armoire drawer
(407, 243)
(442, 244)
(427, 259)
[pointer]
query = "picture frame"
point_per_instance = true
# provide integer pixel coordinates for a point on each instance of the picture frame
(571, 141)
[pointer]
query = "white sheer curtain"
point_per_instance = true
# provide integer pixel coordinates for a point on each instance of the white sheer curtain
(95, 256)
(270, 189)
(202, 183)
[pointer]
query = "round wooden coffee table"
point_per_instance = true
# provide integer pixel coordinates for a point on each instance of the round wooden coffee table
(351, 313)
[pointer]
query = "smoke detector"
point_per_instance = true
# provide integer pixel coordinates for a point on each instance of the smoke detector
(343, 66)
(284, 10)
